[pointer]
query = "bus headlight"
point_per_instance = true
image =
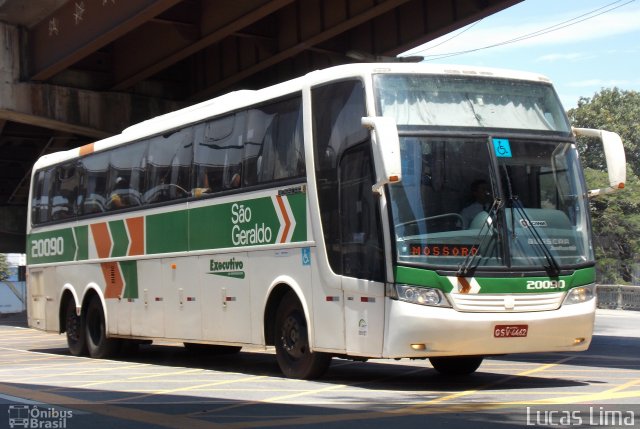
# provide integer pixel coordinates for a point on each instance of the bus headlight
(580, 294)
(420, 295)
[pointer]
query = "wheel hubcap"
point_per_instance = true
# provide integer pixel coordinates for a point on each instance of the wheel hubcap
(73, 327)
(292, 339)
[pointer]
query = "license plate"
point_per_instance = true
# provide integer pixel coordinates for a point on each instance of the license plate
(510, 331)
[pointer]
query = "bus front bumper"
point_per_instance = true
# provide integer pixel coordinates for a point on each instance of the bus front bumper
(417, 331)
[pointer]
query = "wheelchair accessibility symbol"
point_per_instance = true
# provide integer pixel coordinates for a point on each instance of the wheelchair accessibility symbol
(306, 256)
(502, 148)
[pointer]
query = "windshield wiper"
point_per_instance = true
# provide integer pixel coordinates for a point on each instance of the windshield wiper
(487, 232)
(554, 268)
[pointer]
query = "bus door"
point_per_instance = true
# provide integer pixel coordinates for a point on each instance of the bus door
(362, 253)
(350, 219)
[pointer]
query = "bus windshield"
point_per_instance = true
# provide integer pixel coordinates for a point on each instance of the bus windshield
(490, 202)
(438, 101)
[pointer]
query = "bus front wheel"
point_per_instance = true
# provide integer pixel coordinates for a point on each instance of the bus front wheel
(74, 328)
(99, 345)
(295, 358)
(456, 365)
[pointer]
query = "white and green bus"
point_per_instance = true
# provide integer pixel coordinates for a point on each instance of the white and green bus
(362, 211)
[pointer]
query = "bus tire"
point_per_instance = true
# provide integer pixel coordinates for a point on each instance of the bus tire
(100, 347)
(74, 328)
(294, 356)
(456, 365)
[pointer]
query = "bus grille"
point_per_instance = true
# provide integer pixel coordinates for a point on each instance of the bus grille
(507, 302)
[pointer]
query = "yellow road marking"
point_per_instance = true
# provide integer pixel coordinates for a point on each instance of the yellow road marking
(490, 385)
(580, 398)
(76, 373)
(296, 395)
(312, 391)
(424, 407)
(186, 388)
(139, 377)
(624, 386)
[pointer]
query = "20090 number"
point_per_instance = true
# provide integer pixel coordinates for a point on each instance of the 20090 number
(546, 284)
(47, 247)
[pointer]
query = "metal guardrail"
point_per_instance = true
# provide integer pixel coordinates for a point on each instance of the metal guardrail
(617, 297)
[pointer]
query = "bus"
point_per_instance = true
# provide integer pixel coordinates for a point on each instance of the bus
(328, 216)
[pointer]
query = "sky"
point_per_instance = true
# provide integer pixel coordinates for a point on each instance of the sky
(581, 45)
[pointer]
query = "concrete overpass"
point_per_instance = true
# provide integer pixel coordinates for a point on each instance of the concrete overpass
(76, 71)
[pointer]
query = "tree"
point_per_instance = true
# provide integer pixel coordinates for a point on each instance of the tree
(612, 110)
(616, 229)
(4, 268)
(615, 217)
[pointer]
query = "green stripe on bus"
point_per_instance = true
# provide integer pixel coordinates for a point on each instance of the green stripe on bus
(130, 276)
(119, 237)
(421, 277)
(82, 241)
(167, 232)
(259, 221)
(237, 224)
(51, 246)
(298, 203)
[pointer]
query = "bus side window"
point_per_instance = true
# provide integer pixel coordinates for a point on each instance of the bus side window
(64, 192)
(218, 153)
(96, 168)
(168, 167)
(273, 146)
(40, 197)
(126, 175)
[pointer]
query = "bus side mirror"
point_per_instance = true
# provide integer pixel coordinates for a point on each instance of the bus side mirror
(614, 154)
(386, 150)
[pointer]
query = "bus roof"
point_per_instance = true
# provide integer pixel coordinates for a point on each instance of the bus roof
(239, 99)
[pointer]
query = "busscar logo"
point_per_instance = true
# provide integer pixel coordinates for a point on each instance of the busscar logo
(535, 223)
(230, 268)
(31, 417)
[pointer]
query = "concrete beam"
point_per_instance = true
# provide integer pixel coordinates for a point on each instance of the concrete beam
(137, 59)
(307, 29)
(78, 29)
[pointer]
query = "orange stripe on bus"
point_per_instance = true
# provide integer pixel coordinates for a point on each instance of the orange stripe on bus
(113, 279)
(287, 222)
(135, 225)
(86, 149)
(102, 239)
(466, 287)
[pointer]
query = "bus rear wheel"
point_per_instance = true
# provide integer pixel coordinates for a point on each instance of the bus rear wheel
(294, 356)
(456, 365)
(74, 328)
(99, 346)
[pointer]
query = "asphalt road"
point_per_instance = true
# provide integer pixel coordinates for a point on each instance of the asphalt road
(164, 386)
